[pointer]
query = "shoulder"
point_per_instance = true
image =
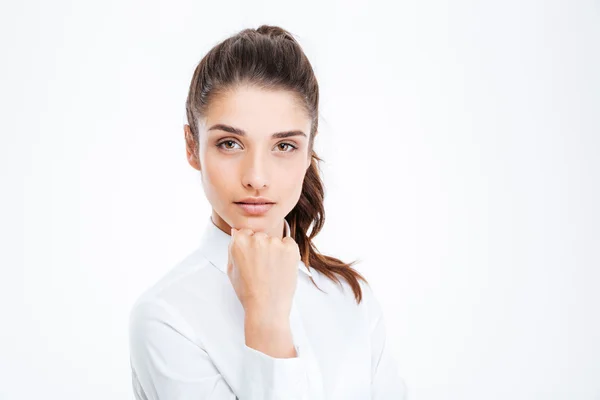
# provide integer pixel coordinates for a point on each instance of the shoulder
(176, 276)
(166, 301)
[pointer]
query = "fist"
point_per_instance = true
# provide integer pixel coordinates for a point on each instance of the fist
(263, 271)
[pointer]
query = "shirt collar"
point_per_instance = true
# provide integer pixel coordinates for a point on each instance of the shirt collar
(214, 245)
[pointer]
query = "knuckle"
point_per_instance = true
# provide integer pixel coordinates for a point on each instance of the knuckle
(260, 235)
(289, 242)
(260, 239)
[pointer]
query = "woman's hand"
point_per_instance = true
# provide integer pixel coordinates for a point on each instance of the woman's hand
(263, 271)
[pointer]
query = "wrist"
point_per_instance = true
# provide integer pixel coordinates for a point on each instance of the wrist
(265, 316)
(267, 322)
(272, 337)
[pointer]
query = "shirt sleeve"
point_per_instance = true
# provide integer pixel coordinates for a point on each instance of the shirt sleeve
(386, 382)
(271, 378)
(167, 364)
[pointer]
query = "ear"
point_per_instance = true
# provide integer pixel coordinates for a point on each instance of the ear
(308, 161)
(311, 152)
(191, 148)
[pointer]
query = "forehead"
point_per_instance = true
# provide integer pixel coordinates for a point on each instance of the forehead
(258, 111)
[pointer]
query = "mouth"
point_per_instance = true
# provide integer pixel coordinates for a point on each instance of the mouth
(255, 208)
(253, 202)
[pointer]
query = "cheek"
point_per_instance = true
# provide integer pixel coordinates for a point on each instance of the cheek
(292, 179)
(216, 179)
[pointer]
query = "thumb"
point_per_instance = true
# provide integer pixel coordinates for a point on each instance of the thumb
(229, 255)
(229, 265)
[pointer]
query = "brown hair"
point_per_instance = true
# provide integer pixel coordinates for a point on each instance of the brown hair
(270, 58)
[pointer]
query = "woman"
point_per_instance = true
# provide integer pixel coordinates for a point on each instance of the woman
(255, 312)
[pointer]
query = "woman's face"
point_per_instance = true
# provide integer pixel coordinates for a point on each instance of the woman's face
(252, 162)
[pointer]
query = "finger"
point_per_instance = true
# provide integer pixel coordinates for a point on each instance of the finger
(245, 231)
(229, 247)
(289, 240)
(261, 235)
(290, 243)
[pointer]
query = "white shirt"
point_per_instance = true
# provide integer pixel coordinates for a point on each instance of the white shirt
(187, 338)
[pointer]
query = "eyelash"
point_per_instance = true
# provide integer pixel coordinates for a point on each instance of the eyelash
(294, 148)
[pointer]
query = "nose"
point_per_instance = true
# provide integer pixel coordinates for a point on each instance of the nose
(255, 170)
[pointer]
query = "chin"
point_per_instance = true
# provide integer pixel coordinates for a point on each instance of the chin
(257, 223)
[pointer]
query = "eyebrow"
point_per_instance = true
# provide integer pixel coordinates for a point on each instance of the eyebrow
(239, 132)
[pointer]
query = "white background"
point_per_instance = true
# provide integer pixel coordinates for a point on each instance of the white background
(461, 142)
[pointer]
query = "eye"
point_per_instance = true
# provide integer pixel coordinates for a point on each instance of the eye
(226, 145)
(220, 145)
(291, 146)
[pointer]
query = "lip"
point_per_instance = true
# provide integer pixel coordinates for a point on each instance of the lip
(253, 200)
(255, 209)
